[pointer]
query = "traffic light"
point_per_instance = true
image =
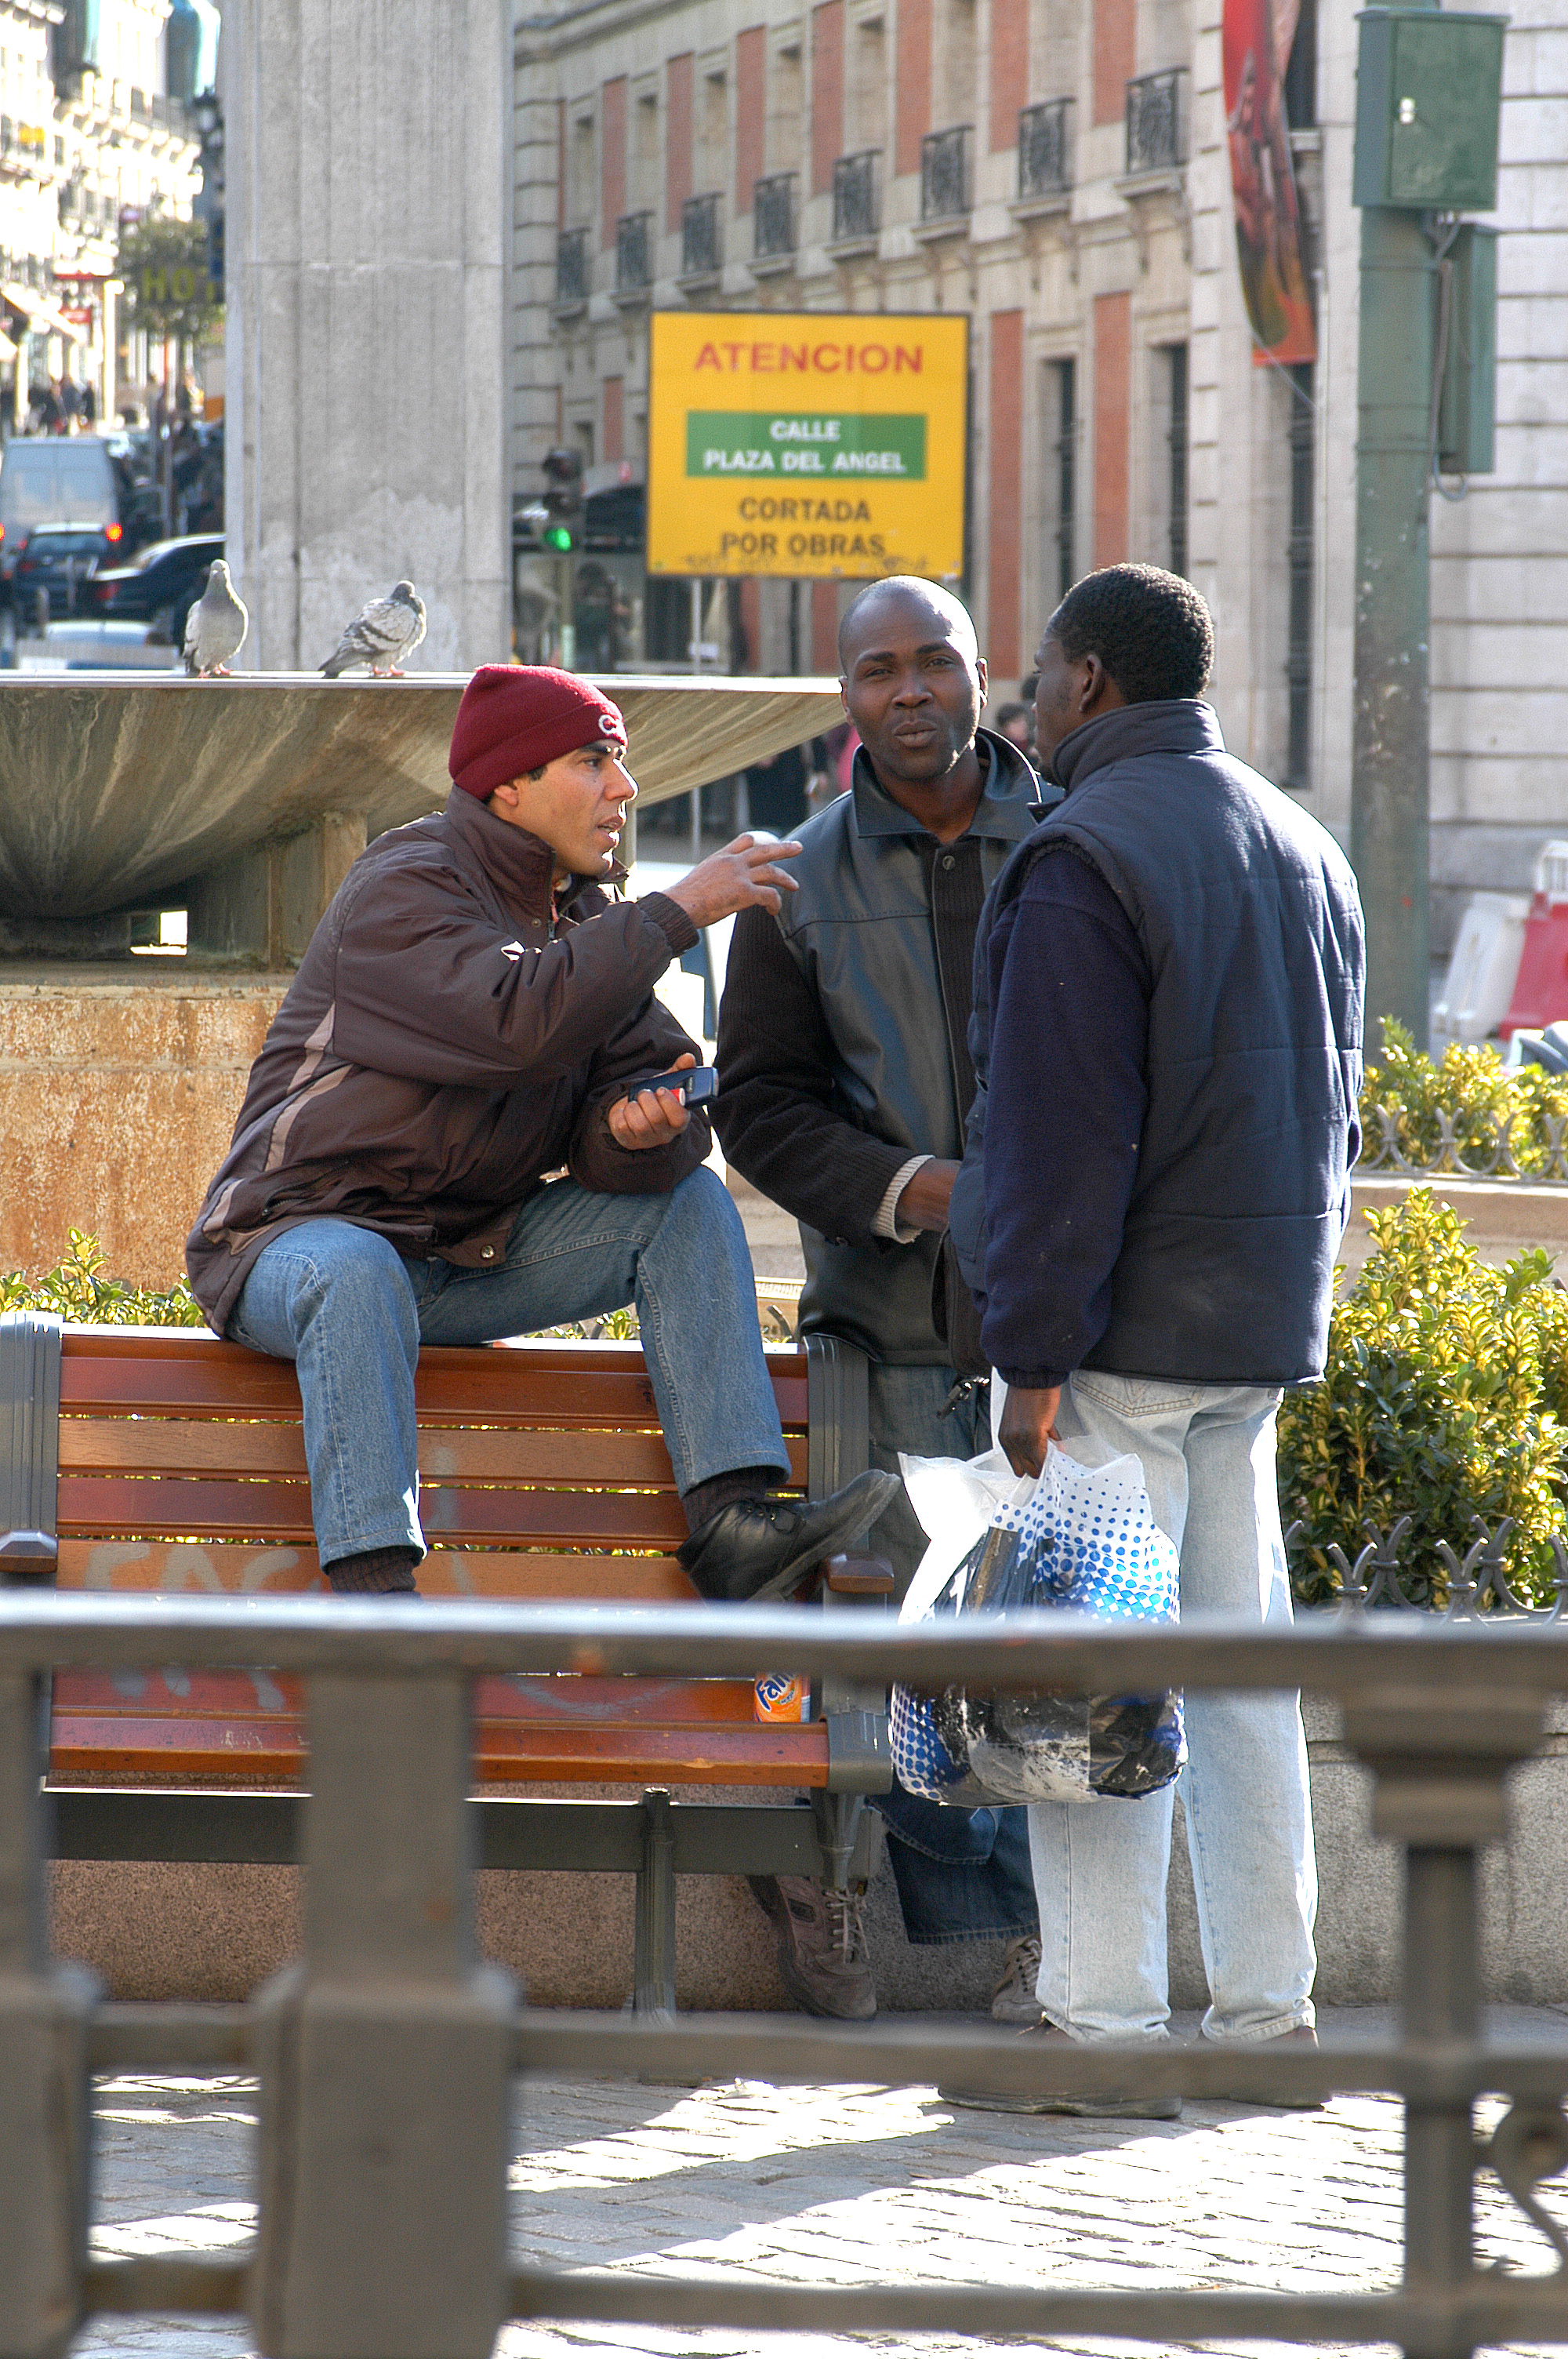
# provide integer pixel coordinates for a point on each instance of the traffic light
(563, 501)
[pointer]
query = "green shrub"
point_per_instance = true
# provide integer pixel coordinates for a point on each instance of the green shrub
(76, 1290)
(1444, 1399)
(1473, 1087)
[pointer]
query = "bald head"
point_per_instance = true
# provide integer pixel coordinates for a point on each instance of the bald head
(893, 603)
(914, 686)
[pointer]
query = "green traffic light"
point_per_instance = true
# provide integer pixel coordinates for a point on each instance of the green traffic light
(558, 536)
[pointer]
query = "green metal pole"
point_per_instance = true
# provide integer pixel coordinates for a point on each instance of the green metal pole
(1391, 760)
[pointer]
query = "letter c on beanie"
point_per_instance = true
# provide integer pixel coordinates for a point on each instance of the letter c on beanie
(516, 717)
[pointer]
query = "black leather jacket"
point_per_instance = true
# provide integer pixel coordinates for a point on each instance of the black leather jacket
(841, 1041)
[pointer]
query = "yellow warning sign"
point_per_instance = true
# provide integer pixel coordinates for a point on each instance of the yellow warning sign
(807, 443)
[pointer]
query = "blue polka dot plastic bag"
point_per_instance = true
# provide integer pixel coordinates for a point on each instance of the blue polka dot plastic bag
(1082, 1539)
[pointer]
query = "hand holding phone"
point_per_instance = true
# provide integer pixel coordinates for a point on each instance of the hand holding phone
(655, 1110)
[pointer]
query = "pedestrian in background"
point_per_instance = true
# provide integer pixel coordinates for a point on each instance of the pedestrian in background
(1168, 1040)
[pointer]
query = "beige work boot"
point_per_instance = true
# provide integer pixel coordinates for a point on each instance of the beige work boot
(823, 1958)
(1013, 2000)
(1117, 2105)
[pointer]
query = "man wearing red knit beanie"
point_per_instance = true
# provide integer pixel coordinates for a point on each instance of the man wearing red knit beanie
(442, 1142)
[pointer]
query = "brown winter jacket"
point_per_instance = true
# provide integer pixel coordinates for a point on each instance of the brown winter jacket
(446, 1042)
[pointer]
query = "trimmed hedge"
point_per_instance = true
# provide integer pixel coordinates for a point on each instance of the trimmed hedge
(1444, 1399)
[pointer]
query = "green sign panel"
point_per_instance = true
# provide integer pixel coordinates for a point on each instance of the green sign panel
(806, 446)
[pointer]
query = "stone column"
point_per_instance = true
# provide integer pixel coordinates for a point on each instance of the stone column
(367, 161)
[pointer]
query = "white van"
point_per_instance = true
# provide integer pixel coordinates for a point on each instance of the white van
(54, 479)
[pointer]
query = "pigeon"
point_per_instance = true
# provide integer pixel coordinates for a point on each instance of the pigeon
(215, 627)
(385, 629)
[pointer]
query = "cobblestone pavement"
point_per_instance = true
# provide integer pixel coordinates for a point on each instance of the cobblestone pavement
(853, 2183)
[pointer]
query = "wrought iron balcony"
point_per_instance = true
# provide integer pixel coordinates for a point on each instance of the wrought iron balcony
(571, 266)
(1156, 130)
(855, 196)
(633, 254)
(944, 174)
(1044, 164)
(699, 239)
(773, 215)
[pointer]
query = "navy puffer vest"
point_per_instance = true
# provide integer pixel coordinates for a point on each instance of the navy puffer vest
(1250, 922)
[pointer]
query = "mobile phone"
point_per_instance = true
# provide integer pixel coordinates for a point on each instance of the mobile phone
(696, 1084)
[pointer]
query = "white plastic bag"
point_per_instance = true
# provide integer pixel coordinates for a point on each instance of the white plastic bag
(1082, 1539)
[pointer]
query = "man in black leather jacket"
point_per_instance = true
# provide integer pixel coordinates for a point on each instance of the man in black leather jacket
(845, 1083)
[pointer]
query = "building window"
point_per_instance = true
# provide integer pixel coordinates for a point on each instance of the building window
(700, 237)
(773, 214)
(945, 173)
(1061, 472)
(1301, 73)
(1044, 170)
(1156, 130)
(1298, 658)
(855, 196)
(1178, 438)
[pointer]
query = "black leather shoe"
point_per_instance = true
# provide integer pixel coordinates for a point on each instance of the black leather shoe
(758, 1548)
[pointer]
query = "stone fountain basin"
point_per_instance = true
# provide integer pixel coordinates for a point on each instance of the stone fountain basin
(117, 787)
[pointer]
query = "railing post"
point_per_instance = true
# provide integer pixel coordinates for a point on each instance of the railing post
(385, 2056)
(45, 2146)
(1441, 1770)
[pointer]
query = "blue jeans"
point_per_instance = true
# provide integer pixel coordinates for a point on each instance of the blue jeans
(962, 1875)
(1208, 1454)
(352, 1313)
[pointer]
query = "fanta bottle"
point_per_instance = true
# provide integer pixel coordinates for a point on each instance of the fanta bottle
(782, 1696)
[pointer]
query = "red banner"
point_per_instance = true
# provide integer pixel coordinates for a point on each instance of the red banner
(1264, 184)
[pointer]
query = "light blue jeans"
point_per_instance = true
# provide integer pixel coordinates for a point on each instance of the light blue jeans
(1207, 1453)
(352, 1313)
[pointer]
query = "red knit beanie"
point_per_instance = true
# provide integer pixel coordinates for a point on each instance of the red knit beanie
(516, 717)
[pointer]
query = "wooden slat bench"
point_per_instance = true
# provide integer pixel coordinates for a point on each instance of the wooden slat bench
(149, 1459)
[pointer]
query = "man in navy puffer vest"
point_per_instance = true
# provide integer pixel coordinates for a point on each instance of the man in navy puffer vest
(1167, 1031)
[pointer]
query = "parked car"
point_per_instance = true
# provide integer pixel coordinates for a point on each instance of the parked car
(57, 559)
(160, 584)
(53, 479)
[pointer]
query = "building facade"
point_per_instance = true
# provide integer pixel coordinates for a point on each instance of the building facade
(1060, 170)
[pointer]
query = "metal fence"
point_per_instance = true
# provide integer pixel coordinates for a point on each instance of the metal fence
(944, 174)
(855, 196)
(1468, 1147)
(1156, 128)
(385, 2056)
(700, 237)
(773, 215)
(571, 266)
(634, 253)
(1045, 164)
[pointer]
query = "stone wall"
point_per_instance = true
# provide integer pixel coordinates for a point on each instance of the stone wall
(117, 1099)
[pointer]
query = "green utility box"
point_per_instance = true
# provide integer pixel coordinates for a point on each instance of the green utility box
(1429, 91)
(1467, 405)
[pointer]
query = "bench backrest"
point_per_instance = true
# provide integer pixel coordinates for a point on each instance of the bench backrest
(544, 1474)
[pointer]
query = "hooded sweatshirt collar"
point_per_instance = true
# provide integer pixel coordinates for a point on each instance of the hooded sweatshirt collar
(518, 863)
(1177, 725)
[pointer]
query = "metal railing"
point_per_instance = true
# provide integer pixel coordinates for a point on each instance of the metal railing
(1471, 1146)
(633, 254)
(385, 2056)
(1156, 127)
(944, 174)
(773, 215)
(700, 237)
(1044, 163)
(855, 196)
(571, 266)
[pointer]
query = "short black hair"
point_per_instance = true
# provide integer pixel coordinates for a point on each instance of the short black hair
(1152, 631)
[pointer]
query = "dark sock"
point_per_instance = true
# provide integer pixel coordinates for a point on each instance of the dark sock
(374, 1572)
(704, 1500)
